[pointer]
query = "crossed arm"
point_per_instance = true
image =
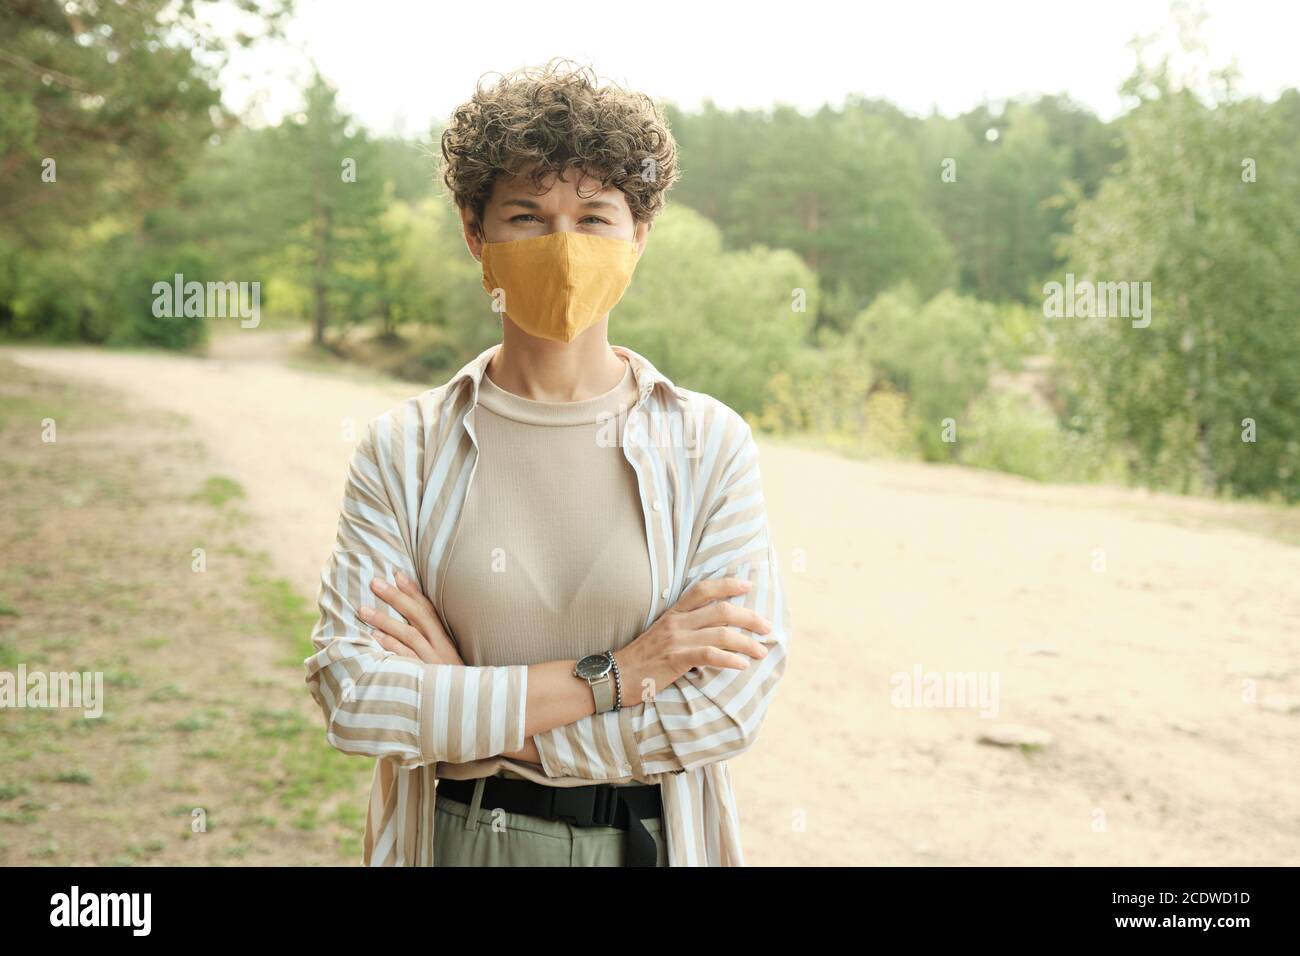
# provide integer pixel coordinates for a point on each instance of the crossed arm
(553, 696)
(379, 701)
(417, 633)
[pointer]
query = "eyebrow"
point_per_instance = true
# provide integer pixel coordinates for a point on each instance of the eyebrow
(587, 204)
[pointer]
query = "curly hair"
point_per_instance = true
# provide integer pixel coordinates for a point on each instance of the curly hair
(549, 118)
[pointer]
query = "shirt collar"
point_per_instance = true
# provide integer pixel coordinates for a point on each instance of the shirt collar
(647, 376)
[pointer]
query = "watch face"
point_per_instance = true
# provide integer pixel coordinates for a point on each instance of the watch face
(593, 666)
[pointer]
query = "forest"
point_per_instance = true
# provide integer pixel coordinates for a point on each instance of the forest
(874, 281)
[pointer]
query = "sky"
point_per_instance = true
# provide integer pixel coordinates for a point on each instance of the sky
(401, 64)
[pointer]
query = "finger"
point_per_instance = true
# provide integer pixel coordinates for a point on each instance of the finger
(412, 590)
(394, 597)
(711, 589)
(731, 639)
(707, 655)
(725, 612)
(380, 620)
(429, 641)
(398, 629)
(394, 645)
(408, 600)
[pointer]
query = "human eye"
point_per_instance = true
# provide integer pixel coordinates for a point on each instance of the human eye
(522, 216)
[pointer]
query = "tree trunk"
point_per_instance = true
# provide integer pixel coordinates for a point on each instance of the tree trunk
(320, 267)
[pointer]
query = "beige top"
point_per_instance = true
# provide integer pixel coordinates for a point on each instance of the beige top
(550, 559)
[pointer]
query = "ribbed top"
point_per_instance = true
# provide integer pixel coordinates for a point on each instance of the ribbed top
(528, 411)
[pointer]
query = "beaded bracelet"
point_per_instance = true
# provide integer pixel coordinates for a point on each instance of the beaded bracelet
(618, 681)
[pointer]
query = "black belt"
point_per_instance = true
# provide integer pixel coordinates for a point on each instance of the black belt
(599, 805)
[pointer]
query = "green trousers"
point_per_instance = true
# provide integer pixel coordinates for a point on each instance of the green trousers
(465, 835)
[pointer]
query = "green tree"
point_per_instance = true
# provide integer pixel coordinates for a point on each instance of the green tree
(996, 204)
(1206, 208)
(324, 193)
(103, 108)
(120, 96)
(840, 188)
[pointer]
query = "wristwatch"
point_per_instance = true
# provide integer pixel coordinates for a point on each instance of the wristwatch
(596, 669)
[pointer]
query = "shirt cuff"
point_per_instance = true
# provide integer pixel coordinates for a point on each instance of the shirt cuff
(596, 747)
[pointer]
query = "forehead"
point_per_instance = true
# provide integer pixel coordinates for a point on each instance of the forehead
(554, 187)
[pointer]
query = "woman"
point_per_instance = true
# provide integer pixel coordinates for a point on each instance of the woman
(553, 610)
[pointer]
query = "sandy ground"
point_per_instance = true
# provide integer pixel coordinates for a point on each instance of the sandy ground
(1157, 645)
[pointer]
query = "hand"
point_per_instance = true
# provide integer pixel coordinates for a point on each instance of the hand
(700, 630)
(423, 638)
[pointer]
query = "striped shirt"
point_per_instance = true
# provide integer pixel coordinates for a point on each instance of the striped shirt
(697, 471)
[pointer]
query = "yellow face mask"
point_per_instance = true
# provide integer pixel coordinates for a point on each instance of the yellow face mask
(558, 285)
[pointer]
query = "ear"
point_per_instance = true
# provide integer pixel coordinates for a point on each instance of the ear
(640, 234)
(472, 227)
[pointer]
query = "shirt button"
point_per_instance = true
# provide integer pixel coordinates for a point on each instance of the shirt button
(658, 505)
(627, 768)
(664, 593)
(566, 770)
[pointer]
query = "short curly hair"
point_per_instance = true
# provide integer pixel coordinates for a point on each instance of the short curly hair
(549, 118)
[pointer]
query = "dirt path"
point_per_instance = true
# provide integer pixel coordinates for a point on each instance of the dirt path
(1156, 644)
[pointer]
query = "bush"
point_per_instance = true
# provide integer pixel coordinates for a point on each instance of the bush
(942, 354)
(132, 300)
(832, 396)
(1007, 432)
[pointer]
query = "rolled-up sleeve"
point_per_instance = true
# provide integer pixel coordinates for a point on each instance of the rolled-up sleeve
(378, 703)
(710, 713)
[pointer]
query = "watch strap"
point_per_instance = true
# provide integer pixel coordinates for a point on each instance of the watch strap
(603, 690)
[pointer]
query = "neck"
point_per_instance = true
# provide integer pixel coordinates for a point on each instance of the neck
(547, 371)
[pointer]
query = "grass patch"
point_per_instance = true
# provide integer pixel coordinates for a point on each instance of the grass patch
(79, 777)
(218, 490)
(290, 615)
(12, 791)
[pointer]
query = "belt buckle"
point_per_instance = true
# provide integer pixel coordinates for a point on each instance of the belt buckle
(606, 806)
(575, 804)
